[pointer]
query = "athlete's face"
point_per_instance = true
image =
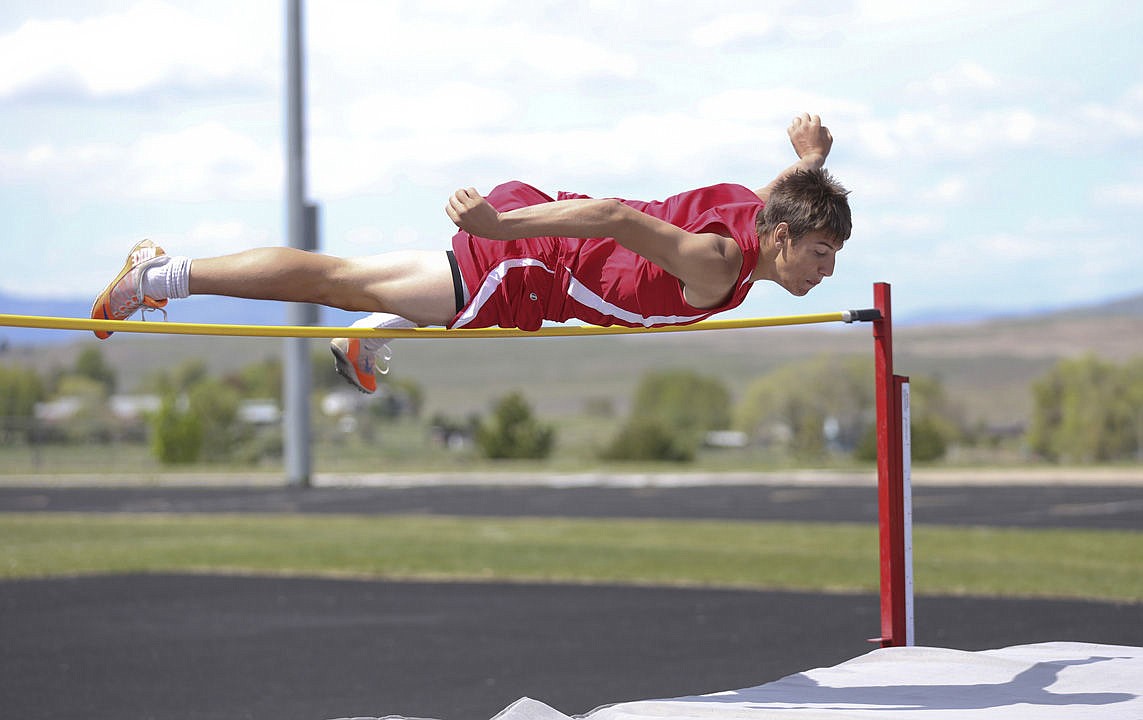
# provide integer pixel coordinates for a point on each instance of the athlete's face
(805, 262)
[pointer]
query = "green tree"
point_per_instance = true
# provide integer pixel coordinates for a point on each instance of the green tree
(178, 379)
(20, 390)
(682, 401)
(215, 404)
(790, 406)
(513, 432)
(90, 364)
(928, 442)
(929, 403)
(411, 394)
(92, 420)
(935, 421)
(261, 379)
(1133, 399)
(396, 398)
(177, 434)
(671, 412)
(1086, 410)
(807, 421)
(648, 439)
(793, 405)
(202, 412)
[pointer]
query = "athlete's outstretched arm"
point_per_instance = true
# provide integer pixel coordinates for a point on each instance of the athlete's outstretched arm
(812, 142)
(706, 263)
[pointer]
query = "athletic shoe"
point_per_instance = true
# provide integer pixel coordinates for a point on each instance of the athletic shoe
(358, 365)
(124, 295)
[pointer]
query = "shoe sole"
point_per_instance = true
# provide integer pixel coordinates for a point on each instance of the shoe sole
(99, 307)
(345, 369)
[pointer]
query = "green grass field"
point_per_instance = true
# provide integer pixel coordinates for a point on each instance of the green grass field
(803, 556)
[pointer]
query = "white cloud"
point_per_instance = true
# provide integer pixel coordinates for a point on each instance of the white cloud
(904, 12)
(950, 190)
(728, 29)
(1114, 120)
(148, 45)
(966, 21)
(451, 106)
(204, 162)
(1007, 247)
(380, 42)
(210, 238)
(1122, 194)
(966, 77)
(901, 224)
(871, 185)
(966, 133)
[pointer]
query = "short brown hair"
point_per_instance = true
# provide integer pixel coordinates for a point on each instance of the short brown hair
(808, 201)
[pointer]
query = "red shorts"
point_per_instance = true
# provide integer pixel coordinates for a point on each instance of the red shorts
(509, 284)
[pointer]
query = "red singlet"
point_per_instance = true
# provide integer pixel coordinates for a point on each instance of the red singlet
(522, 283)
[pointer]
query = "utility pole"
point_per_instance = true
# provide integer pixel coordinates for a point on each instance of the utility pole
(302, 233)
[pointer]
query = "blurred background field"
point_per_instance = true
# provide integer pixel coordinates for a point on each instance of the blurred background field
(989, 393)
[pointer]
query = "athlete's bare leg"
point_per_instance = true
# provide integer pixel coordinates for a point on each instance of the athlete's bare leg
(414, 284)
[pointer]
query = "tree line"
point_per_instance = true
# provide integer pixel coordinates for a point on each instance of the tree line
(1085, 410)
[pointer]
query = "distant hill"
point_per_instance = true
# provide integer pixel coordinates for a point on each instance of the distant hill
(1128, 306)
(1131, 306)
(987, 365)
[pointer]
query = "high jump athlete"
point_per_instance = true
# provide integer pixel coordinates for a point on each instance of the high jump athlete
(522, 257)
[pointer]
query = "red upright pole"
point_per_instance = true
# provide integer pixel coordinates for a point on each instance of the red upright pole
(890, 476)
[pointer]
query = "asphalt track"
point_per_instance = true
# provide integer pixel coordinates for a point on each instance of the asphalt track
(182, 647)
(1075, 506)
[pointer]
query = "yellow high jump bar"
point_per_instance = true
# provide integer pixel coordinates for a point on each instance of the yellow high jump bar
(177, 328)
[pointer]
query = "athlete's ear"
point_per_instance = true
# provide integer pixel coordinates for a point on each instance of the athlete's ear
(781, 235)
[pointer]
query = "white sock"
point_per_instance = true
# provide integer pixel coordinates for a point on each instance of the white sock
(167, 278)
(377, 321)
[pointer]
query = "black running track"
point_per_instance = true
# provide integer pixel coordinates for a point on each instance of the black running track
(1074, 506)
(184, 647)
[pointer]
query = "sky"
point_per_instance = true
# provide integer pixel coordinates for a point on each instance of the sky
(994, 150)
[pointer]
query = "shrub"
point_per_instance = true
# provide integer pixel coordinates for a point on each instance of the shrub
(513, 433)
(683, 401)
(648, 439)
(178, 434)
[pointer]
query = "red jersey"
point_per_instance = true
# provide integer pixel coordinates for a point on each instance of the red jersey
(522, 283)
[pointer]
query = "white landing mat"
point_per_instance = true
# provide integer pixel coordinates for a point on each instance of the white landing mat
(1046, 681)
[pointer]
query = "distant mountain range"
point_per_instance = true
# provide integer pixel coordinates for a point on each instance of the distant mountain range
(210, 309)
(1131, 306)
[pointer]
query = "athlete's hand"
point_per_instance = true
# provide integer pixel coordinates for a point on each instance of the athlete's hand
(811, 140)
(472, 213)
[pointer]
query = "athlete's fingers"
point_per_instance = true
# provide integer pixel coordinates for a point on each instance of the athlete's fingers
(457, 204)
(459, 200)
(466, 197)
(468, 209)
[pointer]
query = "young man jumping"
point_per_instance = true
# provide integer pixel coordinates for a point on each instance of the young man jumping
(522, 257)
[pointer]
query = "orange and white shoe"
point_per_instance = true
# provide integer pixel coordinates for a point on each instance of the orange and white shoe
(358, 365)
(124, 295)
